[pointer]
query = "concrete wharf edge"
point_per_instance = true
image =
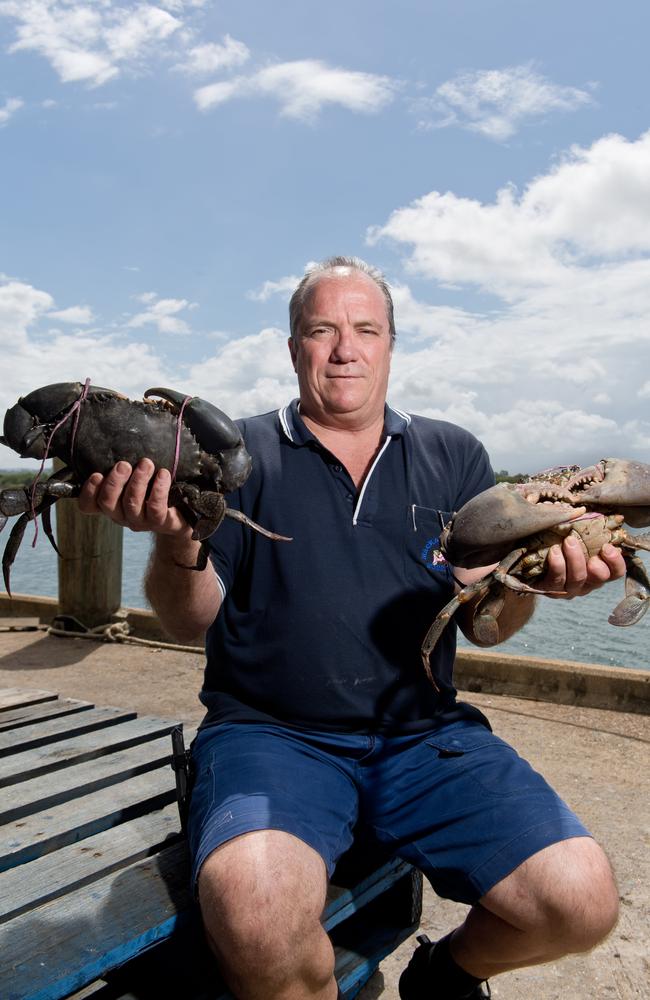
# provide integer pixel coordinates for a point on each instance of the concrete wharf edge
(565, 682)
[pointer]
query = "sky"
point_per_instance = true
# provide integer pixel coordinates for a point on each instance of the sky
(168, 170)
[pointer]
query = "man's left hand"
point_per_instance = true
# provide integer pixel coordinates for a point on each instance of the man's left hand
(569, 571)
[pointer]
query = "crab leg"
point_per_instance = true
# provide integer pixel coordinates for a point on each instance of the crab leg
(637, 594)
(238, 516)
(486, 616)
(29, 506)
(443, 618)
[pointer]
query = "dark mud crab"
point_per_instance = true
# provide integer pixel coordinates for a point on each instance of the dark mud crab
(90, 429)
(514, 525)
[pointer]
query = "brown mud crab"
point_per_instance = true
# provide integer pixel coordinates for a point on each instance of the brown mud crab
(514, 525)
(90, 429)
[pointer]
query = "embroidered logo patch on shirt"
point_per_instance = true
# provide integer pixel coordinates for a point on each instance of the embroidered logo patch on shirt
(432, 557)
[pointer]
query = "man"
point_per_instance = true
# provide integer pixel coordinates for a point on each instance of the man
(319, 714)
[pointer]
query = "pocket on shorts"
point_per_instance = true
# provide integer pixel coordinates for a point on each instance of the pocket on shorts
(486, 759)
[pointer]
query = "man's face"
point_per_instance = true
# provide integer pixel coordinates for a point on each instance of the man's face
(342, 351)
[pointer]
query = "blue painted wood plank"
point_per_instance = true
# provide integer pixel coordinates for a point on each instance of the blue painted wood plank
(47, 759)
(62, 946)
(53, 730)
(83, 862)
(41, 833)
(18, 717)
(66, 784)
(343, 903)
(14, 697)
(49, 952)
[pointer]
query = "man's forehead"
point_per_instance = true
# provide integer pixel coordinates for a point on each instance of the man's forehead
(346, 281)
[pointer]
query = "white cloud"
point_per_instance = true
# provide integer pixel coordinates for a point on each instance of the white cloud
(303, 88)
(35, 356)
(593, 206)
(212, 57)
(78, 315)
(9, 108)
(163, 314)
(564, 330)
(284, 287)
(496, 102)
(84, 42)
(20, 306)
(249, 375)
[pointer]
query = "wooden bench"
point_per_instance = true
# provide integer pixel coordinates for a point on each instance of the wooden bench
(94, 883)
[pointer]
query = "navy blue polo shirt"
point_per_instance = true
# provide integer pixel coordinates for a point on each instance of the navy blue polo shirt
(324, 632)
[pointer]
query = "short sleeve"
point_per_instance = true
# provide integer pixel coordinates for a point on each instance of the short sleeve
(476, 473)
(227, 549)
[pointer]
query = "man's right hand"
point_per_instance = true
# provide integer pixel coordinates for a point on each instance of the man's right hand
(124, 496)
(186, 602)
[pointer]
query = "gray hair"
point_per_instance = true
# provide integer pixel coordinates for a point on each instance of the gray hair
(327, 268)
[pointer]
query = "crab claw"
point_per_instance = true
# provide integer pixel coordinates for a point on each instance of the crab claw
(625, 486)
(485, 530)
(26, 421)
(216, 433)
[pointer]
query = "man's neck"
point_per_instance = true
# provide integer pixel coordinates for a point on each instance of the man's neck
(355, 443)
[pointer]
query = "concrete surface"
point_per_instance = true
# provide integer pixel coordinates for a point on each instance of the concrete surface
(596, 758)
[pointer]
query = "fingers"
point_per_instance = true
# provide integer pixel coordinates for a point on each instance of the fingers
(570, 571)
(109, 495)
(133, 492)
(136, 498)
(89, 492)
(612, 558)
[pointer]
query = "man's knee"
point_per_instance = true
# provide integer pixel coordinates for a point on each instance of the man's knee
(261, 898)
(566, 894)
(586, 904)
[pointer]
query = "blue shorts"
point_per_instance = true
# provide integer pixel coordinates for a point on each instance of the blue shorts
(458, 803)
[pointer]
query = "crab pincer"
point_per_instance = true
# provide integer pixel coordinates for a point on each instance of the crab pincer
(515, 525)
(91, 429)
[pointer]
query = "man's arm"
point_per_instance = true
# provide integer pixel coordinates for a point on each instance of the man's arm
(186, 601)
(568, 573)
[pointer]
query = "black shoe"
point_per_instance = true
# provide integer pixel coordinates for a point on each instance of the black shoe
(417, 982)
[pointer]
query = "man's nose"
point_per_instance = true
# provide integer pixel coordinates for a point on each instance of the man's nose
(344, 348)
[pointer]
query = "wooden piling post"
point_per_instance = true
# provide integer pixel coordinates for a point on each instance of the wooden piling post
(90, 567)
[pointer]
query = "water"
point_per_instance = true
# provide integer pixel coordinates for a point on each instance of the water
(35, 569)
(559, 630)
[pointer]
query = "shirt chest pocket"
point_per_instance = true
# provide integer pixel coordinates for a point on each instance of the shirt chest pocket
(422, 549)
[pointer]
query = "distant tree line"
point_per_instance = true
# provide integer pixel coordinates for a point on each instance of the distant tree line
(503, 476)
(12, 479)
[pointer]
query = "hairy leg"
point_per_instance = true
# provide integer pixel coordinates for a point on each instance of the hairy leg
(262, 895)
(560, 901)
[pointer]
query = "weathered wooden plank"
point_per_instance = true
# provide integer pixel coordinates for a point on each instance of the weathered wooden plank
(97, 990)
(47, 790)
(18, 717)
(41, 760)
(81, 863)
(50, 951)
(60, 947)
(342, 903)
(50, 732)
(14, 697)
(182, 966)
(356, 962)
(40, 833)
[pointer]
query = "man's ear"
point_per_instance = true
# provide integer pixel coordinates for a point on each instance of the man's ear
(292, 351)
